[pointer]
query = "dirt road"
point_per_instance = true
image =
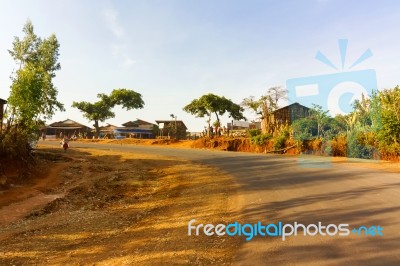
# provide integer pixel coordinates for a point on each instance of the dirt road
(115, 208)
(306, 190)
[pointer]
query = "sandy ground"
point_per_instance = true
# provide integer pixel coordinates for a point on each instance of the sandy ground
(387, 166)
(109, 208)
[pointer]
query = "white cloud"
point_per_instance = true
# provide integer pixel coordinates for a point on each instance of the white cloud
(129, 61)
(111, 17)
(118, 49)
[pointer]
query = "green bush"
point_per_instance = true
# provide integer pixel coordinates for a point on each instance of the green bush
(280, 140)
(355, 149)
(260, 139)
(254, 132)
(16, 144)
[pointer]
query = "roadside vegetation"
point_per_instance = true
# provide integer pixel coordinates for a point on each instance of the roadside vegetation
(370, 131)
(33, 96)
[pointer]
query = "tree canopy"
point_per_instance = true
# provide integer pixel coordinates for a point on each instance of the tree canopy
(33, 96)
(101, 110)
(209, 104)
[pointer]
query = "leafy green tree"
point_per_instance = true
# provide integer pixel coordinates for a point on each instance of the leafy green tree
(209, 104)
(33, 96)
(304, 128)
(101, 110)
(389, 103)
(321, 118)
(318, 125)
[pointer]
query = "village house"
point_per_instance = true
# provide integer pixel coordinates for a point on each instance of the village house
(67, 128)
(289, 114)
(136, 129)
(107, 131)
(172, 129)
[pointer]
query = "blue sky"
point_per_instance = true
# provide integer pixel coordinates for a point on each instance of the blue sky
(174, 51)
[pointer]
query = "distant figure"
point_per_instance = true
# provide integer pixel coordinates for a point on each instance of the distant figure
(64, 144)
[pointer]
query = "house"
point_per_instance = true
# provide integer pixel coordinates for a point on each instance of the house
(238, 125)
(107, 131)
(67, 127)
(172, 129)
(289, 114)
(136, 129)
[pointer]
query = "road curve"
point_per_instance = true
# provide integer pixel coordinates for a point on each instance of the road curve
(306, 190)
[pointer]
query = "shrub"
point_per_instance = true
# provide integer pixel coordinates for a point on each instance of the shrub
(280, 140)
(260, 139)
(355, 149)
(16, 144)
(254, 132)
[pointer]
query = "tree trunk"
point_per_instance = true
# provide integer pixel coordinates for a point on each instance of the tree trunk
(96, 126)
(217, 117)
(264, 119)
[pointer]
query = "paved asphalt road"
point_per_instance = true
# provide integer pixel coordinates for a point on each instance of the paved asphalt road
(307, 190)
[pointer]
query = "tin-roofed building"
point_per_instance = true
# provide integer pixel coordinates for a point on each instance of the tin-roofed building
(136, 129)
(290, 113)
(172, 129)
(68, 128)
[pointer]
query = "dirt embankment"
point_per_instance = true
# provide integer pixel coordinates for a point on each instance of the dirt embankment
(119, 209)
(162, 142)
(241, 144)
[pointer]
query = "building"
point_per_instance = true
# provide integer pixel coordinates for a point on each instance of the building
(289, 114)
(68, 128)
(238, 125)
(107, 131)
(243, 125)
(136, 129)
(171, 129)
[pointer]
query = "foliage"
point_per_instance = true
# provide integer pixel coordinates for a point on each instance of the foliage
(15, 144)
(260, 139)
(213, 104)
(33, 95)
(304, 129)
(390, 116)
(321, 118)
(216, 123)
(280, 140)
(254, 132)
(318, 125)
(101, 110)
(357, 149)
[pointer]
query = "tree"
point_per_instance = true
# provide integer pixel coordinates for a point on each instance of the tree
(33, 96)
(101, 110)
(209, 104)
(265, 105)
(321, 118)
(389, 107)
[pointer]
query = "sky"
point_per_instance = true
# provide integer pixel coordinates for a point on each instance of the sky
(173, 51)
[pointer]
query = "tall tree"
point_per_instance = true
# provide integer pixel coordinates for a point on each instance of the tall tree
(33, 96)
(209, 104)
(101, 110)
(265, 105)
